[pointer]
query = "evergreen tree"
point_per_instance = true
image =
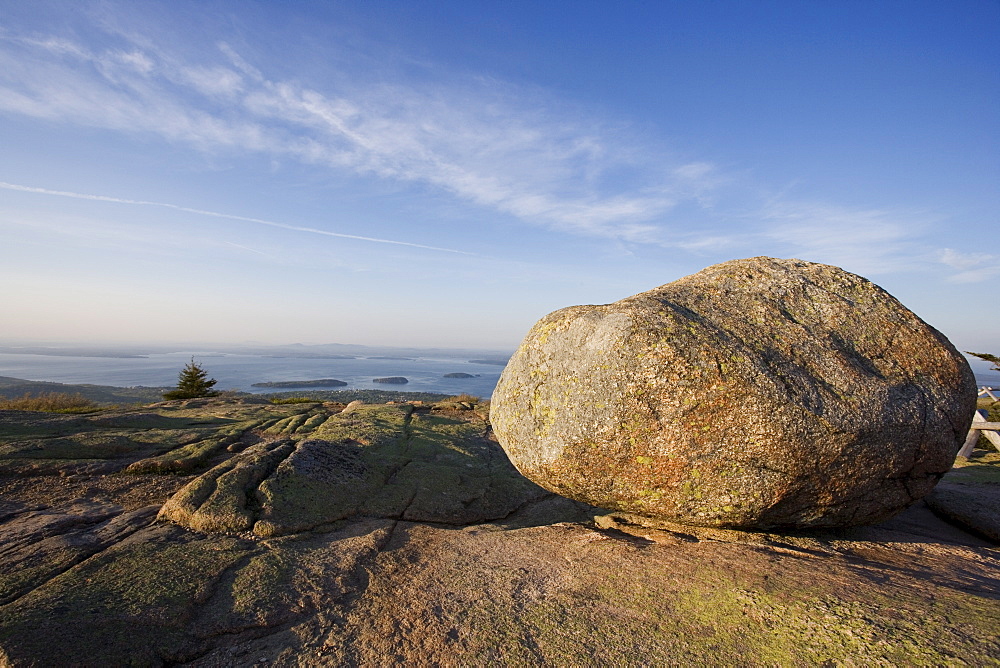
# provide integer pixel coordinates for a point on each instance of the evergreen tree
(989, 358)
(192, 383)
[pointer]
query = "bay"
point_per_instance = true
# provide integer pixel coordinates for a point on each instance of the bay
(235, 371)
(240, 371)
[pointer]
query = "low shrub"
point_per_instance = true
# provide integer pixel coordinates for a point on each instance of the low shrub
(367, 396)
(293, 400)
(50, 402)
(467, 398)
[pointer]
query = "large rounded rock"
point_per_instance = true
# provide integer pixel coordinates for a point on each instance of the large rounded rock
(758, 393)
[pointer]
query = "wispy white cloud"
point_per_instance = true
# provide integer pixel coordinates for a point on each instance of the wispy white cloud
(213, 81)
(486, 142)
(713, 243)
(964, 261)
(480, 140)
(972, 267)
(216, 214)
(694, 170)
(868, 241)
(247, 248)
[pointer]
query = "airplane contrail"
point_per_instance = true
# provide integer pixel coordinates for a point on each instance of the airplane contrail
(216, 214)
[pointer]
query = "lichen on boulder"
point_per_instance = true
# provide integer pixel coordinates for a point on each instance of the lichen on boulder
(757, 393)
(383, 461)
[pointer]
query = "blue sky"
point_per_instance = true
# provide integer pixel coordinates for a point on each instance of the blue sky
(445, 173)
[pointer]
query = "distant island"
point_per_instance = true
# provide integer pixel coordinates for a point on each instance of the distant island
(493, 362)
(322, 382)
(102, 394)
(387, 357)
(68, 352)
(459, 374)
(391, 380)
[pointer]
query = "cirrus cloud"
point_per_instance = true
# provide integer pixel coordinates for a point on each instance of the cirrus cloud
(479, 140)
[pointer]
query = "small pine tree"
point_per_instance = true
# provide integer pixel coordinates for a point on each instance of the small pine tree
(989, 358)
(192, 383)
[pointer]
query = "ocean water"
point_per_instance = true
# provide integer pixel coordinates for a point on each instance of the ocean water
(988, 379)
(240, 371)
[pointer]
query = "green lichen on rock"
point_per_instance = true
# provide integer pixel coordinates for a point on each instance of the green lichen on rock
(592, 598)
(417, 574)
(838, 405)
(132, 600)
(162, 438)
(368, 460)
(221, 499)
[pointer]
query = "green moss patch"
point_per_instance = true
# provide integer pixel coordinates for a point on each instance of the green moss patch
(133, 600)
(370, 460)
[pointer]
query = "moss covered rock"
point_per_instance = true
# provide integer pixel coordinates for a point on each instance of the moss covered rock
(409, 576)
(372, 460)
(756, 393)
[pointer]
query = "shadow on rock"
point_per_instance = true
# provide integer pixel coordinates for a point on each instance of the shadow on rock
(384, 461)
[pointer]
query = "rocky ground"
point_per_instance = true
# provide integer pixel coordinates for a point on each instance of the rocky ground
(239, 532)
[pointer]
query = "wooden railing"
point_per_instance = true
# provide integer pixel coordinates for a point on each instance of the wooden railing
(990, 430)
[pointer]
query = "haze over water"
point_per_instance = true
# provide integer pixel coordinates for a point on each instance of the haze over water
(240, 371)
(233, 371)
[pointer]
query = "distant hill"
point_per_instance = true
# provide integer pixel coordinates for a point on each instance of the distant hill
(71, 352)
(322, 382)
(107, 394)
(102, 394)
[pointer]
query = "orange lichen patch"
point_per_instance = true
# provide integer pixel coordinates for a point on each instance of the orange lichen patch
(837, 403)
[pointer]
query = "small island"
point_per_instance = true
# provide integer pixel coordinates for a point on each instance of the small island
(322, 382)
(460, 374)
(391, 380)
